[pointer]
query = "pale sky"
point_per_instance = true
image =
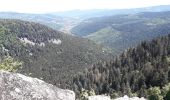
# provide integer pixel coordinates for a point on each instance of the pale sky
(44, 6)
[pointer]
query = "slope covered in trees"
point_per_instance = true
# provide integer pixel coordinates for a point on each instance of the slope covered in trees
(47, 54)
(132, 73)
(123, 31)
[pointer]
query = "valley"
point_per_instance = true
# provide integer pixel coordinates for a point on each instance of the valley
(110, 52)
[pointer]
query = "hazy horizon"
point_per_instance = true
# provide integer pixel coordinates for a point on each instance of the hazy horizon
(47, 6)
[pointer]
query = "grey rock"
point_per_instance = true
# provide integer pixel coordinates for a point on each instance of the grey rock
(15, 86)
(128, 98)
(99, 97)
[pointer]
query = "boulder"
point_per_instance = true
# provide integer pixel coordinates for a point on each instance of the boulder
(14, 86)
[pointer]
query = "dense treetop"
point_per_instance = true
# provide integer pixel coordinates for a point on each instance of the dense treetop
(132, 73)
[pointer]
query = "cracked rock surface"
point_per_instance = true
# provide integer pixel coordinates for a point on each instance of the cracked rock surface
(14, 86)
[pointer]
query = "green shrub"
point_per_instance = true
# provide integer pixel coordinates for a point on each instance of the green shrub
(9, 64)
(114, 95)
(154, 93)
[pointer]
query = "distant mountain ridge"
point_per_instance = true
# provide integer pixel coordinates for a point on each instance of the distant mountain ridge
(120, 32)
(46, 19)
(63, 21)
(109, 12)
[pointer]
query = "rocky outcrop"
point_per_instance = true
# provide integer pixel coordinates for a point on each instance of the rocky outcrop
(99, 97)
(19, 87)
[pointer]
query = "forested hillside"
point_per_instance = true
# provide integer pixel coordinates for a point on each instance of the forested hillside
(120, 32)
(141, 71)
(47, 54)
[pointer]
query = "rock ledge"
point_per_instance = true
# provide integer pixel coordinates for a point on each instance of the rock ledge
(15, 86)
